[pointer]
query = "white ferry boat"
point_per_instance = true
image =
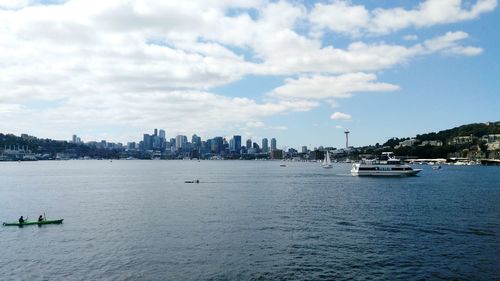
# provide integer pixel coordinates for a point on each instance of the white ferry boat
(386, 166)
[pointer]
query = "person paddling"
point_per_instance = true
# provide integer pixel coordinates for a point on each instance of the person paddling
(21, 219)
(40, 218)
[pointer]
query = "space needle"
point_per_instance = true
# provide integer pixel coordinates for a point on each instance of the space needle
(346, 132)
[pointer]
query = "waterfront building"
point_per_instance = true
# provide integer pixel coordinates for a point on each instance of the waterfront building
(273, 144)
(256, 147)
(304, 149)
(277, 154)
(235, 144)
(76, 139)
(431, 143)
(492, 141)
(249, 143)
(196, 141)
(265, 145)
(410, 142)
(131, 145)
(180, 142)
(147, 141)
(217, 145)
(462, 140)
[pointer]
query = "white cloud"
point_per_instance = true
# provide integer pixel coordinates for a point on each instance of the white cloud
(412, 37)
(328, 87)
(152, 63)
(448, 44)
(344, 17)
(339, 127)
(340, 16)
(255, 124)
(341, 116)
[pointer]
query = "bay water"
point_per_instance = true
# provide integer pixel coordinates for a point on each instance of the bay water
(246, 220)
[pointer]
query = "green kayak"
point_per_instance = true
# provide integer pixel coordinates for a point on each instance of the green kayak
(33, 222)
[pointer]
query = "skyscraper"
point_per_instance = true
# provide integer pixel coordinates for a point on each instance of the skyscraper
(196, 141)
(273, 144)
(180, 142)
(162, 134)
(217, 144)
(235, 145)
(249, 143)
(147, 142)
(265, 145)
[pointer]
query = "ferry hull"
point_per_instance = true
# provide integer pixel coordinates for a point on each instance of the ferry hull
(385, 173)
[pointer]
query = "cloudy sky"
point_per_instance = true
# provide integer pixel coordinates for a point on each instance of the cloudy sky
(300, 71)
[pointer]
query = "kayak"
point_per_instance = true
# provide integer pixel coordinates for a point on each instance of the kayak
(33, 222)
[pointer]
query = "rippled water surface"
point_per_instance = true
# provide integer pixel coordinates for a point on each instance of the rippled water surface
(247, 220)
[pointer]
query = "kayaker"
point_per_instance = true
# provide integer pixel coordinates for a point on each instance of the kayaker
(40, 218)
(21, 219)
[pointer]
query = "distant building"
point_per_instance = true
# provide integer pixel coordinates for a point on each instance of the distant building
(304, 149)
(462, 140)
(492, 141)
(265, 145)
(249, 143)
(74, 139)
(180, 142)
(196, 141)
(277, 154)
(273, 144)
(410, 142)
(432, 143)
(256, 148)
(235, 144)
(217, 145)
(147, 141)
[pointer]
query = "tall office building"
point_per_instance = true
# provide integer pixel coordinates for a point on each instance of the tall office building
(304, 149)
(162, 134)
(196, 141)
(265, 146)
(217, 144)
(256, 147)
(180, 142)
(249, 143)
(147, 142)
(235, 144)
(273, 144)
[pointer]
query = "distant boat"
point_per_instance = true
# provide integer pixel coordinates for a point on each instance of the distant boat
(389, 167)
(282, 165)
(327, 163)
(436, 167)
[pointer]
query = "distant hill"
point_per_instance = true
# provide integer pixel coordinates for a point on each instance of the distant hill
(477, 130)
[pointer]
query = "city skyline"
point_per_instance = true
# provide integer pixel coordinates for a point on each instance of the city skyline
(302, 72)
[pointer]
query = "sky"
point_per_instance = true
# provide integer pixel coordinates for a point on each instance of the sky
(299, 71)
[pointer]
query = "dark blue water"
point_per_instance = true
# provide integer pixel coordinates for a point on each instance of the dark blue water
(247, 220)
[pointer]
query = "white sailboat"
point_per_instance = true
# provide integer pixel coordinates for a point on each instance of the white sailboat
(327, 163)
